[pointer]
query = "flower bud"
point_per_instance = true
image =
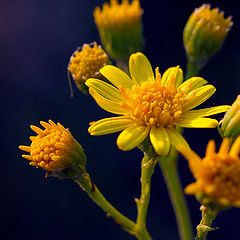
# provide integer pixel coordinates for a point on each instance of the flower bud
(230, 124)
(55, 150)
(205, 32)
(85, 63)
(120, 27)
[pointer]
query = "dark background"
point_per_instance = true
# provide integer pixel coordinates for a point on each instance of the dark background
(36, 41)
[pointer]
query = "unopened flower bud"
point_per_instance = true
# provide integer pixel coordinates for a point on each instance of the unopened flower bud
(204, 33)
(230, 124)
(120, 27)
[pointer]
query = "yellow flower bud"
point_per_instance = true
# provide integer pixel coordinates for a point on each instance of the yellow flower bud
(120, 27)
(230, 124)
(86, 62)
(54, 149)
(217, 174)
(205, 31)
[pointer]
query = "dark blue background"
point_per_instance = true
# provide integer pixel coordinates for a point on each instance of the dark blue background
(36, 41)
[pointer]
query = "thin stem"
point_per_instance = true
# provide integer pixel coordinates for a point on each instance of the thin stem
(147, 169)
(194, 66)
(87, 184)
(208, 215)
(170, 173)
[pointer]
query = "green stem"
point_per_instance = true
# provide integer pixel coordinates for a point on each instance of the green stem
(87, 184)
(208, 215)
(170, 173)
(194, 66)
(147, 169)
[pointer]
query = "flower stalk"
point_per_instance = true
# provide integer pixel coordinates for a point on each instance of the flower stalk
(168, 165)
(147, 169)
(86, 183)
(208, 215)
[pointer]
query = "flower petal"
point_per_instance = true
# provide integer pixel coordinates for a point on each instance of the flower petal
(105, 89)
(198, 123)
(205, 112)
(132, 136)
(176, 139)
(160, 140)
(198, 96)
(192, 83)
(116, 76)
(175, 72)
(106, 104)
(140, 68)
(109, 125)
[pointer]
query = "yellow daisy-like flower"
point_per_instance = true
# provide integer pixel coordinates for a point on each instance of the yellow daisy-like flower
(217, 174)
(150, 105)
(54, 148)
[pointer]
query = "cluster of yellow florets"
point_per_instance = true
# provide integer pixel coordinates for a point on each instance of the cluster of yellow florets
(53, 149)
(217, 174)
(118, 14)
(86, 62)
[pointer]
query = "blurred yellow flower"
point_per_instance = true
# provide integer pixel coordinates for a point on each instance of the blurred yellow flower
(120, 27)
(150, 105)
(86, 62)
(54, 148)
(217, 174)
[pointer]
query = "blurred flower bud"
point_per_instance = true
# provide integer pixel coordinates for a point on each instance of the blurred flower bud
(85, 63)
(204, 33)
(55, 150)
(120, 28)
(230, 124)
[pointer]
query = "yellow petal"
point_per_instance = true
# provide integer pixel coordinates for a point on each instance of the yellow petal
(106, 104)
(132, 137)
(116, 76)
(200, 95)
(105, 89)
(235, 149)
(224, 148)
(205, 112)
(211, 148)
(197, 123)
(175, 72)
(140, 68)
(110, 125)
(160, 140)
(25, 148)
(176, 139)
(192, 83)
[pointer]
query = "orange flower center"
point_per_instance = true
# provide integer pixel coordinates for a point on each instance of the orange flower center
(220, 179)
(153, 104)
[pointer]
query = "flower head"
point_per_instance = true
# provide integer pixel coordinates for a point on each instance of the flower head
(54, 148)
(230, 124)
(217, 174)
(205, 31)
(120, 27)
(86, 62)
(150, 105)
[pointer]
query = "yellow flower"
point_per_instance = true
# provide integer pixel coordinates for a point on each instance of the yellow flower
(230, 124)
(150, 106)
(120, 27)
(54, 148)
(217, 174)
(86, 62)
(205, 31)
